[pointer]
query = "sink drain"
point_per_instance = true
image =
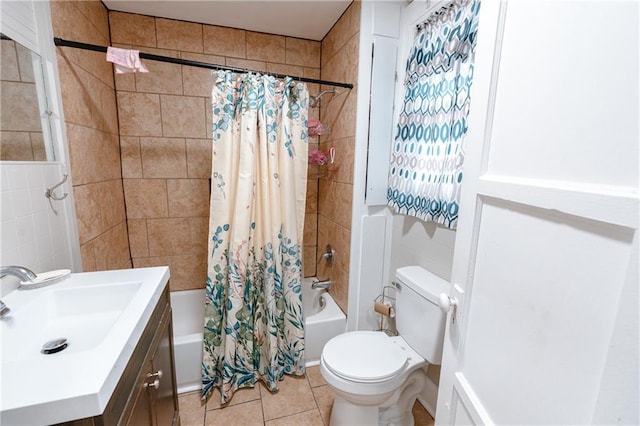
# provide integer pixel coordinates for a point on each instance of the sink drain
(54, 346)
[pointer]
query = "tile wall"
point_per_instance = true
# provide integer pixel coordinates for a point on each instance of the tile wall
(89, 102)
(20, 126)
(33, 235)
(340, 50)
(165, 134)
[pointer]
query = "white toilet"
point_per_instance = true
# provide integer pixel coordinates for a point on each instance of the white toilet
(377, 378)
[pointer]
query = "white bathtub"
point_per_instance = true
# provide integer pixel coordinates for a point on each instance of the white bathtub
(323, 320)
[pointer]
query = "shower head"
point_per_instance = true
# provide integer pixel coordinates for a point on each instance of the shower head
(314, 100)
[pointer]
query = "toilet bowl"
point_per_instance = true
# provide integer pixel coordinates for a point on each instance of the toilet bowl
(376, 377)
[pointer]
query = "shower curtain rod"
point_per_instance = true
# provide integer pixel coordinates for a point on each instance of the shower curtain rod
(68, 43)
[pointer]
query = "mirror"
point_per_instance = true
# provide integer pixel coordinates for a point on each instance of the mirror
(24, 122)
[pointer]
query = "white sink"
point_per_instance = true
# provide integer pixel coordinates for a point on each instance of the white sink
(102, 316)
(83, 315)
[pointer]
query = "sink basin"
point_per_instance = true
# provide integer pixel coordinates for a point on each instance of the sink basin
(82, 314)
(101, 314)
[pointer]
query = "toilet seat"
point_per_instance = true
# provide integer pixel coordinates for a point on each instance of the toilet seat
(365, 356)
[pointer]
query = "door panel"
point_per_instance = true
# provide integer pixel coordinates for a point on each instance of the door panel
(566, 76)
(547, 244)
(536, 317)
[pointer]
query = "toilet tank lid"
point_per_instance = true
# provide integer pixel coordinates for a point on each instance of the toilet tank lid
(423, 282)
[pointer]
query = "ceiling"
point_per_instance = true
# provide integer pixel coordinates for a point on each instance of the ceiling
(309, 19)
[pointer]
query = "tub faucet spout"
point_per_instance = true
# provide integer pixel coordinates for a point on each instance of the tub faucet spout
(321, 284)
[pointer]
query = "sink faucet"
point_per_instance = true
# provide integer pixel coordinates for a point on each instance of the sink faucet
(21, 273)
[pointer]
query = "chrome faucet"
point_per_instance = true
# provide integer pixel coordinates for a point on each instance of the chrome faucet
(321, 284)
(22, 273)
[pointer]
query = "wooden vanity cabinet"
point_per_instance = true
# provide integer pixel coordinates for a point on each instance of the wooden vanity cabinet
(146, 393)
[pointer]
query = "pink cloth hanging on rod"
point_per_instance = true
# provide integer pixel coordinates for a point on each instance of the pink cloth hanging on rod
(126, 60)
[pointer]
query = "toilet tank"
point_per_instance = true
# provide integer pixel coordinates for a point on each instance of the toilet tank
(419, 320)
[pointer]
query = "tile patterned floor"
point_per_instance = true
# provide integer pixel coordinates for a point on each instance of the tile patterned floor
(301, 401)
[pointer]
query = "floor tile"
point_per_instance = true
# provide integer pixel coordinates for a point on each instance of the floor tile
(294, 396)
(191, 409)
(314, 376)
(308, 418)
(245, 414)
(240, 396)
(324, 398)
(421, 417)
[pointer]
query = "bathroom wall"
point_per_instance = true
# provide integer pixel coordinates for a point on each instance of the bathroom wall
(165, 133)
(20, 128)
(89, 103)
(340, 49)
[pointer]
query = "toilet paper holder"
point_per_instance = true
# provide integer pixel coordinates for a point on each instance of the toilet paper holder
(384, 304)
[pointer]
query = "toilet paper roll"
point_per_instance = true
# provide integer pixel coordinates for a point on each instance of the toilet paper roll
(384, 308)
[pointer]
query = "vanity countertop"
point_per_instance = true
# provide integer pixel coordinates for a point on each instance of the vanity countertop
(102, 314)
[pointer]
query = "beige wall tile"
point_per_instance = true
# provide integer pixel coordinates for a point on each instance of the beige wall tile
(138, 241)
(85, 146)
(88, 257)
(301, 52)
(245, 64)
(87, 213)
(146, 198)
(15, 146)
(130, 157)
(309, 261)
(312, 196)
(342, 31)
(340, 288)
(179, 35)
(163, 157)
(164, 78)
(69, 23)
(334, 202)
(111, 194)
(199, 81)
(310, 229)
(199, 227)
(188, 272)
(96, 12)
(139, 114)
(112, 249)
(76, 99)
(147, 262)
(10, 70)
(99, 206)
(199, 153)
(134, 29)
(183, 116)
(188, 197)
(225, 41)
(18, 114)
(265, 47)
(288, 70)
(169, 237)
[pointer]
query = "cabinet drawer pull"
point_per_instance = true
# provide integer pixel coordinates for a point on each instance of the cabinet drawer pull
(154, 384)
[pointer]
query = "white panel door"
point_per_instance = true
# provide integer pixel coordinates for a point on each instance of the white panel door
(546, 259)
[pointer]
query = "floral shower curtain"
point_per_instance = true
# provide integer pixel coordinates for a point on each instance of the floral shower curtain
(426, 161)
(254, 328)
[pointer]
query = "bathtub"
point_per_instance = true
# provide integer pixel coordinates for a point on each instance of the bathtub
(323, 320)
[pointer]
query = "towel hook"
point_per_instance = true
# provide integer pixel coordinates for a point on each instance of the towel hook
(51, 195)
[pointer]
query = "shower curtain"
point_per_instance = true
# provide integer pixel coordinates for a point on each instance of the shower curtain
(254, 327)
(425, 174)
